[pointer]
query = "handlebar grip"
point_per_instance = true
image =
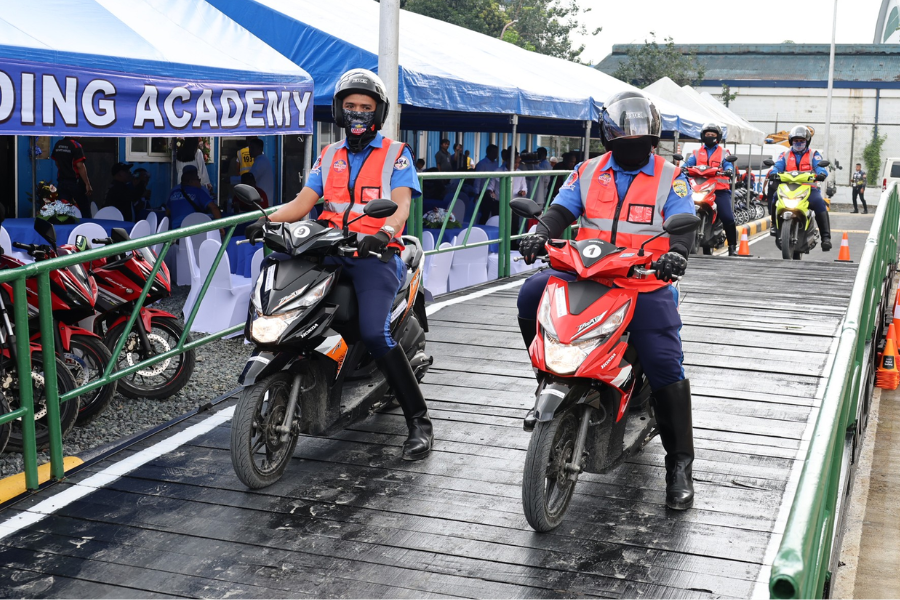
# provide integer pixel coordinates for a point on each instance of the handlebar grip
(102, 241)
(241, 242)
(22, 246)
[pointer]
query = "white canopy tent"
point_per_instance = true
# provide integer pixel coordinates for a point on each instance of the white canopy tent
(739, 130)
(752, 134)
(671, 92)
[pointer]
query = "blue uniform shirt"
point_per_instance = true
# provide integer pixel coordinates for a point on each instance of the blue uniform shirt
(781, 163)
(692, 160)
(404, 169)
(179, 207)
(569, 196)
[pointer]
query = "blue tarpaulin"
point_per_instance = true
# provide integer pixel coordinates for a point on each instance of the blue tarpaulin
(450, 78)
(142, 68)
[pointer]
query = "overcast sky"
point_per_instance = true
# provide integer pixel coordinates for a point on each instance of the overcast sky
(732, 21)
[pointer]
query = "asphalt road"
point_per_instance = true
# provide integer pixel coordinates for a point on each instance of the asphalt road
(856, 226)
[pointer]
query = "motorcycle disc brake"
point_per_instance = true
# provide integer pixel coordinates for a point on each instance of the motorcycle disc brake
(38, 379)
(160, 345)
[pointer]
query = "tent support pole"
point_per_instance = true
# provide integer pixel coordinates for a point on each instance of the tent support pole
(675, 146)
(307, 157)
(587, 139)
(388, 61)
(512, 144)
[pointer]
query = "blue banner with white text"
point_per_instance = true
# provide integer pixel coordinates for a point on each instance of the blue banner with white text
(41, 99)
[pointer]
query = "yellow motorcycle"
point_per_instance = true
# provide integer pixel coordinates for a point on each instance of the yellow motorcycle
(797, 230)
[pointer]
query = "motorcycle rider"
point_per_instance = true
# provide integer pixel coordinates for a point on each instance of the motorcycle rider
(364, 167)
(713, 155)
(801, 158)
(623, 197)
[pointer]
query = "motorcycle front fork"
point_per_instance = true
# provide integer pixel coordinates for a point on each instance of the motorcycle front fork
(146, 346)
(574, 469)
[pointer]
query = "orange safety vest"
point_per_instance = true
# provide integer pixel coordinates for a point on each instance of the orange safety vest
(638, 218)
(790, 162)
(722, 183)
(372, 182)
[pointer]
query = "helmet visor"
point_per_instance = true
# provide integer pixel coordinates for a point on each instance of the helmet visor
(630, 117)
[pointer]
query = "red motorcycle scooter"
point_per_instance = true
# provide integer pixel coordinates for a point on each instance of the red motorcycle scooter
(711, 232)
(121, 279)
(592, 408)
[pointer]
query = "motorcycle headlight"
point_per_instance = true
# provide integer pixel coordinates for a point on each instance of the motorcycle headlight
(790, 203)
(268, 329)
(566, 358)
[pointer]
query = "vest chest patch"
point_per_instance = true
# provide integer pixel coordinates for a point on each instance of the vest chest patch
(604, 179)
(339, 165)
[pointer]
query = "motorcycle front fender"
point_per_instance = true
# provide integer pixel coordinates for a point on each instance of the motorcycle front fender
(263, 363)
(147, 316)
(557, 395)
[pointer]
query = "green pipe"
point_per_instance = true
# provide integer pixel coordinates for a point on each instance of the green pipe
(26, 392)
(51, 384)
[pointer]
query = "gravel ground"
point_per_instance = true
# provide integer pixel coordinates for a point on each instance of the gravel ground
(218, 366)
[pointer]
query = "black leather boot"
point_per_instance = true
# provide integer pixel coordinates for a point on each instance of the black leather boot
(402, 380)
(672, 405)
(528, 327)
(732, 250)
(824, 224)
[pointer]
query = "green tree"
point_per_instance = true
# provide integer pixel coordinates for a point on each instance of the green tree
(653, 61)
(872, 158)
(543, 26)
(726, 96)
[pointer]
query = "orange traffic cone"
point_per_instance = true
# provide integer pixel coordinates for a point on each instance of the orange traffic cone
(844, 254)
(744, 248)
(896, 321)
(891, 334)
(887, 377)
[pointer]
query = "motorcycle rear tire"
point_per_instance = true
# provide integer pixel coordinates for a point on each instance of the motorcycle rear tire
(95, 352)
(274, 390)
(68, 411)
(169, 385)
(551, 442)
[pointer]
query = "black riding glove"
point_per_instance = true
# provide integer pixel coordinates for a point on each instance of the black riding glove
(254, 231)
(373, 243)
(531, 246)
(670, 265)
(821, 177)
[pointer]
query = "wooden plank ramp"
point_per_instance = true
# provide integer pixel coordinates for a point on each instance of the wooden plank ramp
(350, 519)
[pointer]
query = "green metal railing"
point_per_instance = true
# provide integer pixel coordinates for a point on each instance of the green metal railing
(801, 566)
(415, 226)
(41, 270)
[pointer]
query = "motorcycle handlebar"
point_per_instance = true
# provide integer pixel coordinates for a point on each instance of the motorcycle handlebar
(22, 246)
(103, 241)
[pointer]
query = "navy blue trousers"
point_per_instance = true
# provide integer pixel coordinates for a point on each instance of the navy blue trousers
(723, 206)
(376, 284)
(653, 329)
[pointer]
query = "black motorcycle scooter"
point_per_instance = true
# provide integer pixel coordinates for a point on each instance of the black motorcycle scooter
(310, 373)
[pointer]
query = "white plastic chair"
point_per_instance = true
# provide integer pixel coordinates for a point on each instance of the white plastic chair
(469, 266)
(182, 270)
(436, 276)
(6, 244)
(91, 231)
(141, 229)
(227, 297)
(109, 212)
(94, 208)
(153, 220)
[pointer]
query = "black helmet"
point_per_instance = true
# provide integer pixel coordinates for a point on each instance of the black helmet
(360, 81)
(800, 132)
(713, 128)
(629, 115)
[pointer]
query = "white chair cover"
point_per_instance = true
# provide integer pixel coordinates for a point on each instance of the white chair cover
(173, 252)
(6, 244)
(91, 231)
(255, 264)
(94, 208)
(469, 266)
(494, 221)
(153, 219)
(109, 212)
(141, 229)
(436, 276)
(226, 300)
(182, 270)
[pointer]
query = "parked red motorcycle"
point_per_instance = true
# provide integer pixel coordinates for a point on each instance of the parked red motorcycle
(120, 280)
(711, 233)
(592, 409)
(73, 296)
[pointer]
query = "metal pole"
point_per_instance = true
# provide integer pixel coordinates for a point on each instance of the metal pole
(675, 147)
(512, 145)
(389, 61)
(587, 140)
(830, 85)
(851, 165)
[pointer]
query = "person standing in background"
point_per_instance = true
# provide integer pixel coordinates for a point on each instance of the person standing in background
(262, 169)
(442, 156)
(858, 181)
(72, 178)
(188, 152)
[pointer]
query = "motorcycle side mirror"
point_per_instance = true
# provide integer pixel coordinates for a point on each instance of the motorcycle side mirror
(81, 243)
(526, 208)
(732, 158)
(769, 162)
(824, 163)
(681, 223)
(380, 208)
(119, 235)
(249, 197)
(46, 230)
(677, 157)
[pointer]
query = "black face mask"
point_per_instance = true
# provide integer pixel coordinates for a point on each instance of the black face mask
(710, 141)
(631, 155)
(360, 128)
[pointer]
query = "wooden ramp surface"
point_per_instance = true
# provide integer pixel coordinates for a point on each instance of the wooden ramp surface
(350, 519)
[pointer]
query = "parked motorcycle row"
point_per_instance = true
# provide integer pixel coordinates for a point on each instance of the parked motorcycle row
(91, 304)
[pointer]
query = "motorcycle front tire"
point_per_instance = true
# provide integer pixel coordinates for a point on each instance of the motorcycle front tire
(95, 353)
(167, 386)
(545, 498)
(68, 411)
(787, 252)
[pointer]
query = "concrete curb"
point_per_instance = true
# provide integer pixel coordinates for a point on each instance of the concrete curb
(756, 227)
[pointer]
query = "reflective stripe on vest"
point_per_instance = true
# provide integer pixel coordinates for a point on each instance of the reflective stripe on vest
(790, 163)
